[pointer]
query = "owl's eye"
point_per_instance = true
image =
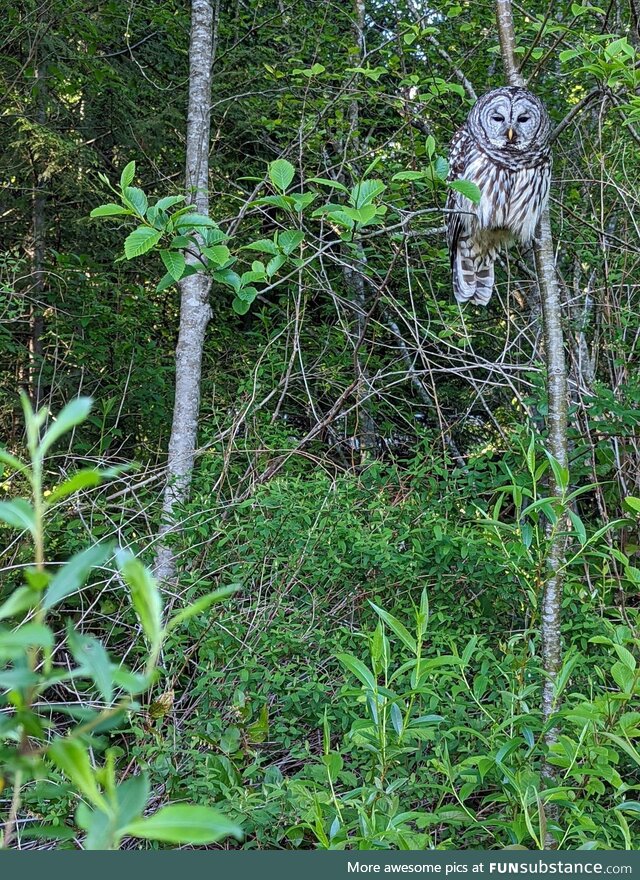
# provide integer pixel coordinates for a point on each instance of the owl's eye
(523, 118)
(498, 118)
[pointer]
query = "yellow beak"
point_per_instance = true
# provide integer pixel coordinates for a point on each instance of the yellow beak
(510, 134)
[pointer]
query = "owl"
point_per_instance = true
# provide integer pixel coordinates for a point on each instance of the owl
(503, 148)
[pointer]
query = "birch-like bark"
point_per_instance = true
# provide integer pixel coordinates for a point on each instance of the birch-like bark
(194, 306)
(38, 247)
(353, 269)
(556, 420)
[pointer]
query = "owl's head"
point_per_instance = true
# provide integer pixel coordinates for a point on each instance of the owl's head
(510, 120)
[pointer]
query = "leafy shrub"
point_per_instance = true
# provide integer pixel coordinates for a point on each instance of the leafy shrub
(45, 737)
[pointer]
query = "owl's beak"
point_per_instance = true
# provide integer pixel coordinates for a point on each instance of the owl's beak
(510, 134)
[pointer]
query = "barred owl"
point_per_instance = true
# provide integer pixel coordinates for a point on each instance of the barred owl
(503, 148)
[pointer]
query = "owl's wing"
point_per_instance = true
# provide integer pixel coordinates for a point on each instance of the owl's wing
(471, 282)
(456, 219)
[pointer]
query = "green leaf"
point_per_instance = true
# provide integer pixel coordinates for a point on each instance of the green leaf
(569, 664)
(398, 628)
(11, 461)
(109, 210)
(468, 189)
(247, 278)
(569, 54)
(531, 456)
(145, 596)
(213, 235)
(194, 221)
(136, 198)
(98, 825)
(315, 70)
(334, 763)
(128, 173)
(69, 416)
(201, 604)
(364, 192)
(629, 806)
(560, 472)
(31, 635)
(91, 654)
(18, 514)
(248, 294)
(174, 263)
(274, 264)
(358, 215)
(373, 73)
(263, 245)
(20, 600)
(184, 824)
(341, 217)
(632, 503)
(428, 719)
(37, 579)
(132, 796)
(73, 574)
(283, 202)
(423, 611)
(469, 650)
(289, 240)
(578, 525)
(14, 679)
(332, 183)
(168, 202)
(281, 174)
(228, 277)
(182, 241)
(258, 731)
(165, 282)
(218, 254)
(396, 719)
(624, 745)
(239, 306)
(132, 682)
(84, 479)
(303, 200)
(48, 832)
(71, 757)
(358, 668)
(409, 175)
(625, 656)
(441, 168)
(140, 241)
(623, 677)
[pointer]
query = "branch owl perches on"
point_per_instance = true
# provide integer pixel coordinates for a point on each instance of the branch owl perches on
(503, 147)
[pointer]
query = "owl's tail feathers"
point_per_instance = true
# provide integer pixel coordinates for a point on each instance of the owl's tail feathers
(484, 282)
(472, 276)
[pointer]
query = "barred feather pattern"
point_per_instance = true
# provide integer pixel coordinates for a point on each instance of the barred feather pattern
(503, 149)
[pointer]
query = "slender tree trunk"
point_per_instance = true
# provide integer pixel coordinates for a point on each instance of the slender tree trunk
(36, 328)
(37, 250)
(194, 308)
(366, 432)
(557, 419)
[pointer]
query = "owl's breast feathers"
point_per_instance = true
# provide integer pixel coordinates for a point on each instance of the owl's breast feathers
(514, 191)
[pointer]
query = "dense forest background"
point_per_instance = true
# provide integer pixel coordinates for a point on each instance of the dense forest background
(369, 492)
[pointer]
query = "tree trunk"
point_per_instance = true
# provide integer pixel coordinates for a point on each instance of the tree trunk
(36, 321)
(37, 249)
(366, 432)
(194, 308)
(557, 420)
